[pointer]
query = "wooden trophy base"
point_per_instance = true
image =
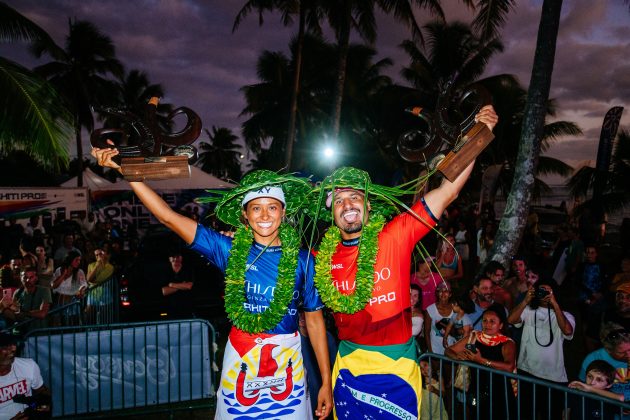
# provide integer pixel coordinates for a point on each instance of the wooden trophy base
(155, 168)
(475, 140)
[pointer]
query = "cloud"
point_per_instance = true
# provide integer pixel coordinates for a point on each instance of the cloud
(188, 47)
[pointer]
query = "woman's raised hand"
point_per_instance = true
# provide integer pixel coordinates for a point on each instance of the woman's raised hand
(104, 156)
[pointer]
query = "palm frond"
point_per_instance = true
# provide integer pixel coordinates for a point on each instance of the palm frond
(33, 117)
(581, 182)
(16, 27)
(557, 129)
(491, 17)
(552, 166)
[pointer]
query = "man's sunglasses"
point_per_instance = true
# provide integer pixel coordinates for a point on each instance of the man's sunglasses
(616, 334)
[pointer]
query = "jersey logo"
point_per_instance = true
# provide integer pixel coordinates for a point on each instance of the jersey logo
(377, 300)
(247, 393)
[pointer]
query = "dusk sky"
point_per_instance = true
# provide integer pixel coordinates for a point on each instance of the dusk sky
(188, 47)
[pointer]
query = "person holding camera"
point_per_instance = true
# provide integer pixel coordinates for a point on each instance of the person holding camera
(545, 327)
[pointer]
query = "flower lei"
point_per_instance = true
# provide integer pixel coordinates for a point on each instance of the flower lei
(368, 248)
(235, 281)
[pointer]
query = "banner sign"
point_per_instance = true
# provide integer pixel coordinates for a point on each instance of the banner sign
(21, 203)
(131, 367)
(607, 137)
(127, 209)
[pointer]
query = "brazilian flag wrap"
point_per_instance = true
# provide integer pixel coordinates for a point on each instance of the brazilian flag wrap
(377, 382)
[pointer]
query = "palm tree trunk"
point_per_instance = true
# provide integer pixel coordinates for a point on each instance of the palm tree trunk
(343, 42)
(79, 154)
(296, 88)
(517, 207)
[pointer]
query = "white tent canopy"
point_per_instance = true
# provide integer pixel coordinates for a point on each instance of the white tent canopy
(92, 181)
(199, 180)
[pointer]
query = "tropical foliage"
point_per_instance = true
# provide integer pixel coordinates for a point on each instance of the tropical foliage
(308, 19)
(79, 72)
(452, 50)
(221, 156)
(32, 116)
(517, 206)
(615, 190)
(268, 101)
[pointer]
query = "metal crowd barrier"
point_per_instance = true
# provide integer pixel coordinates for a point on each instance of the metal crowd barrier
(498, 398)
(103, 371)
(101, 304)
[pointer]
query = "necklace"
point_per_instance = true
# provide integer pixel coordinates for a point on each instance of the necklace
(235, 281)
(364, 280)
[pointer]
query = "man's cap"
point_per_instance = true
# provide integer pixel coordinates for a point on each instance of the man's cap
(7, 339)
(265, 192)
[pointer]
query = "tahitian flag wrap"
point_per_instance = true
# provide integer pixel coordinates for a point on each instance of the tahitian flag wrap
(262, 378)
(377, 382)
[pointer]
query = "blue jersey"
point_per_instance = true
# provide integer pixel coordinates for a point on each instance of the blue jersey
(261, 276)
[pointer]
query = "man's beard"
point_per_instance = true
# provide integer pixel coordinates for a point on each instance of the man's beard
(353, 228)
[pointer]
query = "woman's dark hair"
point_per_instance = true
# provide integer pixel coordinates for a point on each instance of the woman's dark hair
(27, 245)
(418, 304)
(464, 302)
(499, 311)
(67, 262)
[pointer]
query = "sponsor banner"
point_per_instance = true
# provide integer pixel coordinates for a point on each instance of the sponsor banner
(136, 366)
(126, 208)
(21, 203)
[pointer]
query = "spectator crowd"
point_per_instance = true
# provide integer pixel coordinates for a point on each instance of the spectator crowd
(572, 293)
(46, 265)
(559, 313)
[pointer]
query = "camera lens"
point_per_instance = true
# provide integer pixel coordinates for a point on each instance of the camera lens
(541, 293)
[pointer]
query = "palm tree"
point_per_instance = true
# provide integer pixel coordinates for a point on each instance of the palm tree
(268, 100)
(79, 72)
(267, 103)
(136, 90)
(308, 19)
(454, 48)
(514, 219)
(133, 93)
(221, 156)
(345, 15)
(615, 193)
(509, 99)
(32, 117)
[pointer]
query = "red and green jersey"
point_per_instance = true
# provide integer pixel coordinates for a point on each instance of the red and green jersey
(385, 319)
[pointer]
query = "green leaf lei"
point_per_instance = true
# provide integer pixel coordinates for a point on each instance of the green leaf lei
(235, 281)
(368, 248)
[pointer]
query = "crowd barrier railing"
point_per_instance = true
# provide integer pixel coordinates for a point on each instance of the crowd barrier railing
(500, 395)
(122, 368)
(99, 305)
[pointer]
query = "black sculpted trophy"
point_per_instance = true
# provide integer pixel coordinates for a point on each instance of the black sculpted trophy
(450, 139)
(147, 151)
